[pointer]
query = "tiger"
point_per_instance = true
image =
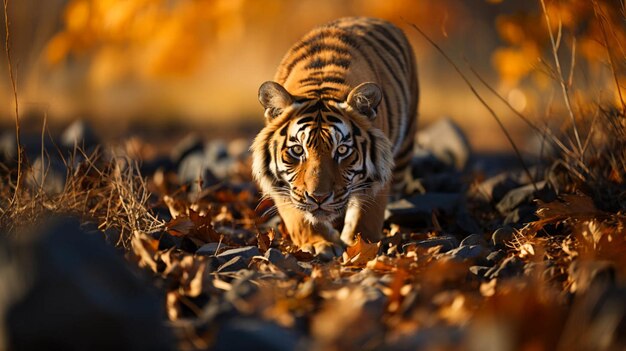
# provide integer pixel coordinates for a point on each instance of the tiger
(340, 120)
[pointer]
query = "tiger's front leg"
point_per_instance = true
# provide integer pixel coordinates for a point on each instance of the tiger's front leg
(365, 218)
(319, 238)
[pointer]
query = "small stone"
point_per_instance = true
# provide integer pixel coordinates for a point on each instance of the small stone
(517, 197)
(210, 249)
(473, 252)
(502, 236)
(79, 134)
(521, 215)
(49, 174)
(449, 182)
(496, 187)
(466, 222)
(193, 169)
(246, 253)
(424, 163)
(216, 151)
(473, 239)
(509, 267)
(447, 141)
(8, 151)
(242, 288)
(417, 210)
(274, 256)
(479, 270)
(447, 243)
(234, 264)
(496, 256)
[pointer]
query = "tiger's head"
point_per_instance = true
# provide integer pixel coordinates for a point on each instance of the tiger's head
(320, 154)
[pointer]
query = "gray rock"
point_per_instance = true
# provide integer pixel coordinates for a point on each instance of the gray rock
(417, 210)
(517, 197)
(509, 267)
(449, 182)
(502, 236)
(242, 288)
(288, 263)
(49, 174)
(496, 256)
(8, 151)
(65, 289)
(521, 215)
(216, 151)
(466, 222)
(447, 142)
(246, 253)
(192, 169)
(447, 243)
(261, 335)
(274, 256)
(188, 145)
(479, 271)
(79, 134)
(472, 252)
(473, 239)
(425, 163)
(236, 263)
(496, 187)
(210, 249)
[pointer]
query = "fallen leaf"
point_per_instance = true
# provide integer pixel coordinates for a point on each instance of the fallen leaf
(263, 241)
(360, 253)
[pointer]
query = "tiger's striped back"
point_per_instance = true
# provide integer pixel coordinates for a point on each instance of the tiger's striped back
(331, 60)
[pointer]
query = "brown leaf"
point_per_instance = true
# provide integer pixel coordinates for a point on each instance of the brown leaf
(569, 206)
(360, 253)
(145, 248)
(263, 241)
(179, 226)
(195, 226)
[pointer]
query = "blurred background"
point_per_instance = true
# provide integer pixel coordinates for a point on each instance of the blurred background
(149, 66)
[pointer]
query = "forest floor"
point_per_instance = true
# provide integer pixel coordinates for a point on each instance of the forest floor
(125, 246)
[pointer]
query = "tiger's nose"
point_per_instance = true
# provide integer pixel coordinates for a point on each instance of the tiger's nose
(318, 198)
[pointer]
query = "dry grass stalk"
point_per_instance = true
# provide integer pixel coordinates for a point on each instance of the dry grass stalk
(564, 88)
(7, 43)
(482, 101)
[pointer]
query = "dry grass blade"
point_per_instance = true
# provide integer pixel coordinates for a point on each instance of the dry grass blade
(7, 43)
(482, 101)
(564, 88)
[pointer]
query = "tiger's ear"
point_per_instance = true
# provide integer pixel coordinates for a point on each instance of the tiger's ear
(275, 98)
(365, 99)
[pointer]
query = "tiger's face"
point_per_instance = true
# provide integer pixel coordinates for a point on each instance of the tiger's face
(318, 155)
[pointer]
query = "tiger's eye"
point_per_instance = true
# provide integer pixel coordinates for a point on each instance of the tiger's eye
(297, 150)
(342, 150)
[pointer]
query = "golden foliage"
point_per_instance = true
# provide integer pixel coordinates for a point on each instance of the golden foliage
(587, 30)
